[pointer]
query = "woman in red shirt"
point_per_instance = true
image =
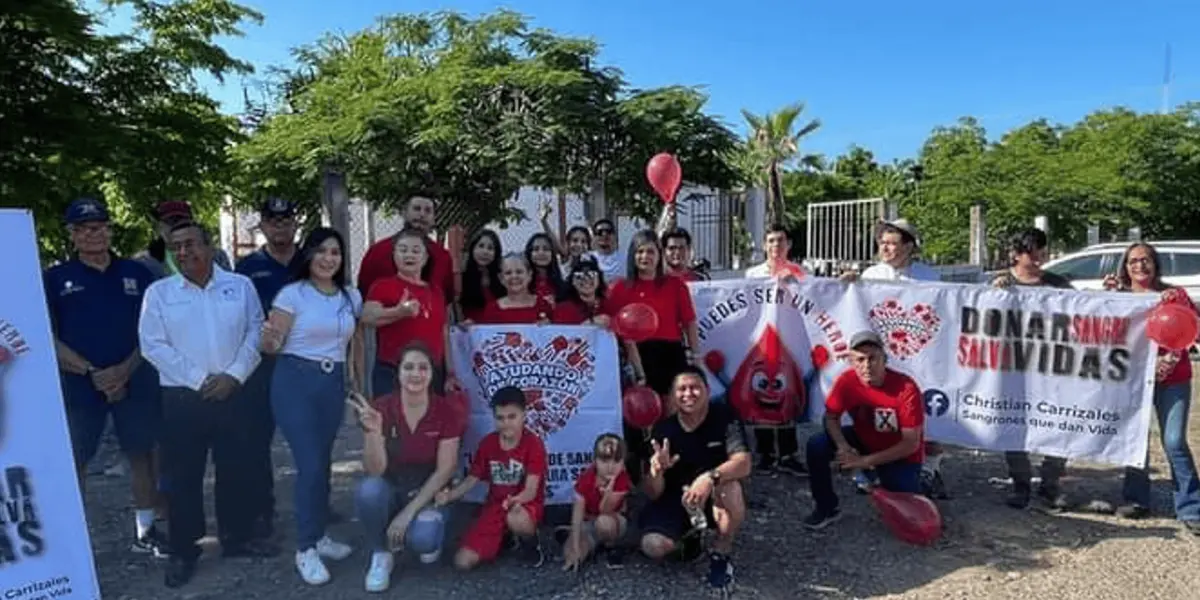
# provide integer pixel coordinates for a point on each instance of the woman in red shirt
(411, 440)
(1141, 273)
(519, 304)
(547, 278)
(647, 283)
(479, 283)
(582, 300)
(406, 309)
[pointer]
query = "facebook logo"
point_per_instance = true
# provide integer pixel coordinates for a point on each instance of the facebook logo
(936, 403)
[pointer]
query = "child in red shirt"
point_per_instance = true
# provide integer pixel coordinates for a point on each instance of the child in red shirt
(512, 462)
(598, 516)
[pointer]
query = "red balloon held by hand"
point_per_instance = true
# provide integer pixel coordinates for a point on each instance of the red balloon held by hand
(642, 406)
(637, 322)
(1173, 326)
(912, 518)
(665, 176)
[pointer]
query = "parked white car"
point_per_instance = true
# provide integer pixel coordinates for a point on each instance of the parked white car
(1086, 268)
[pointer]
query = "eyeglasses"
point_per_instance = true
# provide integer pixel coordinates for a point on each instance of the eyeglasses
(584, 275)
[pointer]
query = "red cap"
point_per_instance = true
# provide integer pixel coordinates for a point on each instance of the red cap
(173, 209)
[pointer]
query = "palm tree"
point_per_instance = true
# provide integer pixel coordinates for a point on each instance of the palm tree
(774, 143)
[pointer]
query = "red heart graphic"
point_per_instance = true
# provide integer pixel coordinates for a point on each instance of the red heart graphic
(549, 403)
(905, 332)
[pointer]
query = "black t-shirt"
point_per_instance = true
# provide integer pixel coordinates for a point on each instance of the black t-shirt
(1049, 279)
(707, 447)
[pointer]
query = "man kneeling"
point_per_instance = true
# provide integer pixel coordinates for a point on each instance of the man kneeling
(886, 437)
(700, 454)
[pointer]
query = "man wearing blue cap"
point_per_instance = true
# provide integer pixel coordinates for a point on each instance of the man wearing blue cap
(267, 268)
(94, 300)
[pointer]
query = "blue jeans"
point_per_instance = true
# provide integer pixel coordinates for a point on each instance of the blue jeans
(308, 404)
(1171, 406)
(899, 476)
(377, 502)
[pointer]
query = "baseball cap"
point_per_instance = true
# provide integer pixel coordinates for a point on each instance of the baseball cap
(84, 210)
(863, 338)
(276, 207)
(172, 210)
(904, 226)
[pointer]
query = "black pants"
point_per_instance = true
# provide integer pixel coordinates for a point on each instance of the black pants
(260, 425)
(662, 360)
(191, 427)
(776, 442)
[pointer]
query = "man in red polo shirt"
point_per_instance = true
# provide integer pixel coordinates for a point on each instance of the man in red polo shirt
(378, 263)
(887, 434)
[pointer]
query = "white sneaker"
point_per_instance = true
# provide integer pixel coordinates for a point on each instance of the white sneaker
(311, 569)
(431, 557)
(379, 576)
(332, 550)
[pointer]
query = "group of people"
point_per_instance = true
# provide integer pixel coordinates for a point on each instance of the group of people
(190, 354)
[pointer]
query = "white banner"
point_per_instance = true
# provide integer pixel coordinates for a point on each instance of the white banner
(1055, 372)
(45, 551)
(571, 380)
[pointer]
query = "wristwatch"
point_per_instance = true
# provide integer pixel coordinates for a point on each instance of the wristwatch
(715, 476)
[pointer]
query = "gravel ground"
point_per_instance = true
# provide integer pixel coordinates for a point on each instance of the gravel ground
(988, 551)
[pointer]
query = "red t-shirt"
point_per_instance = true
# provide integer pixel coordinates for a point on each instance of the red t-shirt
(505, 470)
(442, 421)
(668, 296)
(686, 275)
(586, 488)
(1183, 369)
(574, 312)
(494, 314)
(427, 326)
(378, 263)
(544, 289)
(880, 413)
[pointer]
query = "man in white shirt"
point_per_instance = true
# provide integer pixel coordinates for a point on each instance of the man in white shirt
(200, 328)
(609, 257)
(898, 243)
(777, 244)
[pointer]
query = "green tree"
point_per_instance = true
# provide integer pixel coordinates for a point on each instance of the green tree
(471, 110)
(773, 145)
(118, 115)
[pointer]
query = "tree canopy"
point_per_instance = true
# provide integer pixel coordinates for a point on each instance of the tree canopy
(118, 114)
(471, 110)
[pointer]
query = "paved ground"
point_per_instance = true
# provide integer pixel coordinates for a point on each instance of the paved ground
(988, 551)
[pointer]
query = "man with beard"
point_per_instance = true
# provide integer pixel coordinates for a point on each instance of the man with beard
(200, 328)
(267, 268)
(700, 457)
(378, 263)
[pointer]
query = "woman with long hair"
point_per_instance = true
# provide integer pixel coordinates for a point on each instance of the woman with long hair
(479, 283)
(519, 305)
(405, 309)
(1140, 272)
(547, 278)
(411, 440)
(582, 299)
(313, 321)
(573, 245)
(668, 296)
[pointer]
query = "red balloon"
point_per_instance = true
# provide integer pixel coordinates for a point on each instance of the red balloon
(1173, 326)
(714, 360)
(642, 406)
(637, 322)
(665, 176)
(912, 518)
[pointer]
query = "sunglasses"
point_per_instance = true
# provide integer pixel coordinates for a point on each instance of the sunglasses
(584, 275)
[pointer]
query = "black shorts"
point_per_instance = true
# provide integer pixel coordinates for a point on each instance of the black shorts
(667, 517)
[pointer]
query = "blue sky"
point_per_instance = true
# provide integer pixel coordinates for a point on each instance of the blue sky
(881, 74)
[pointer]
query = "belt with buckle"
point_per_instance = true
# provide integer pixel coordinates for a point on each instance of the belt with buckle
(327, 366)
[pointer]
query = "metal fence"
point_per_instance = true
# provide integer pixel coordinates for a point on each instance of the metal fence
(843, 232)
